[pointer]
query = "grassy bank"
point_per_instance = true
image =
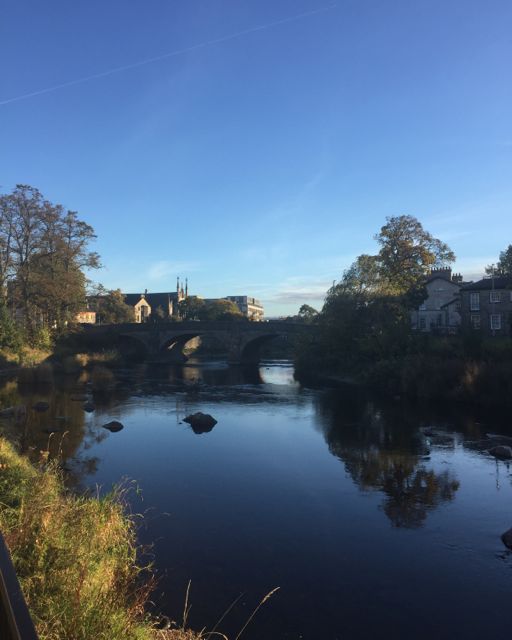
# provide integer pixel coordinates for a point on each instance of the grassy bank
(75, 556)
(23, 357)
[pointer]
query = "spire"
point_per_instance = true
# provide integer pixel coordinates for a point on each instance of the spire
(178, 284)
(186, 287)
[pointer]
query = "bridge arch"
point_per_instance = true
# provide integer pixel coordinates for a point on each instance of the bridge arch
(250, 351)
(173, 345)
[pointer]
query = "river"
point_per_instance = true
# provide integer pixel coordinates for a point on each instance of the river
(375, 518)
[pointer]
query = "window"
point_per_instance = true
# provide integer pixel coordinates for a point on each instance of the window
(496, 321)
(423, 306)
(494, 296)
(474, 301)
(423, 324)
(475, 321)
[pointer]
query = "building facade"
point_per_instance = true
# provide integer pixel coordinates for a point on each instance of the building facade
(486, 306)
(157, 306)
(249, 307)
(440, 311)
(86, 317)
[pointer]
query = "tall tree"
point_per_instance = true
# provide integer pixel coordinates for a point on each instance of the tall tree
(366, 315)
(408, 252)
(504, 265)
(110, 306)
(43, 251)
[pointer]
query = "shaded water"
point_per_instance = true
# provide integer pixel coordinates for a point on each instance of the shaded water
(373, 517)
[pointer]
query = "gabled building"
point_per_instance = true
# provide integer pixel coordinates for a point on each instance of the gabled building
(486, 306)
(440, 311)
(157, 306)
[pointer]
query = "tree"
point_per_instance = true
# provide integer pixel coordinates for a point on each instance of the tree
(190, 308)
(407, 254)
(504, 265)
(220, 310)
(43, 251)
(110, 306)
(366, 316)
(307, 313)
(10, 334)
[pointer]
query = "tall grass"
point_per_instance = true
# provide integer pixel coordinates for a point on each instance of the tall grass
(77, 559)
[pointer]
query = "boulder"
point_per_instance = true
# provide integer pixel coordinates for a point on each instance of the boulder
(200, 422)
(502, 452)
(41, 406)
(506, 538)
(89, 407)
(113, 426)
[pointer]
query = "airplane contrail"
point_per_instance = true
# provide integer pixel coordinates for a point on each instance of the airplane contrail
(170, 54)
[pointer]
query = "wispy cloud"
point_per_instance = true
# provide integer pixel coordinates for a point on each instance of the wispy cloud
(169, 54)
(164, 269)
(298, 290)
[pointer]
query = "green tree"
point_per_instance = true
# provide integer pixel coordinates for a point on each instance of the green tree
(220, 310)
(307, 313)
(366, 315)
(43, 251)
(190, 308)
(110, 306)
(504, 265)
(10, 333)
(407, 253)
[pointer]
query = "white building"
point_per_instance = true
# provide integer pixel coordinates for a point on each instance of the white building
(441, 309)
(249, 307)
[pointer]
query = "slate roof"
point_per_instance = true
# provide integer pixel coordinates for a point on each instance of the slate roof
(486, 284)
(155, 300)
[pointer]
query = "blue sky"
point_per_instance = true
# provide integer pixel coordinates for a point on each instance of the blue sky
(264, 160)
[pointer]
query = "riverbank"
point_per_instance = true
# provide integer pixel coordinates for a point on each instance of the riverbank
(443, 369)
(76, 557)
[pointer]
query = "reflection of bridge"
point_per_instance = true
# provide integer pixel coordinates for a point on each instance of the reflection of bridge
(166, 340)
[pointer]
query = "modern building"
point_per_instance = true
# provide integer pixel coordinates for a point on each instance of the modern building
(486, 306)
(249, 307)
(440, 311)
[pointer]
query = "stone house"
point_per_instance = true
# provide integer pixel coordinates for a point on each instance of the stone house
(440, 311)
(157, 306)
(486, 306)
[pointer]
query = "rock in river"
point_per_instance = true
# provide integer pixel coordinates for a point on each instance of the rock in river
(502, 452)
(506, 538)
(41, 406)
(201, 422)
(113, 426)
(89, 407)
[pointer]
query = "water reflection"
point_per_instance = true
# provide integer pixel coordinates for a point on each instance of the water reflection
(69, 427)
(382, 452)
(262, 499)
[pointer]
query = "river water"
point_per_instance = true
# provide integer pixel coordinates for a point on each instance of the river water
(375, 518)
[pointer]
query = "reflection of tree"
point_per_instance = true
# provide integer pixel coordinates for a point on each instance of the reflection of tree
(381, 451)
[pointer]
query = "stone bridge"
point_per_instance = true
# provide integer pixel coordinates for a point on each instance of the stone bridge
(164, 341)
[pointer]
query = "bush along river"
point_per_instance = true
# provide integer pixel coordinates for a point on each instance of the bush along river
(374, 517)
